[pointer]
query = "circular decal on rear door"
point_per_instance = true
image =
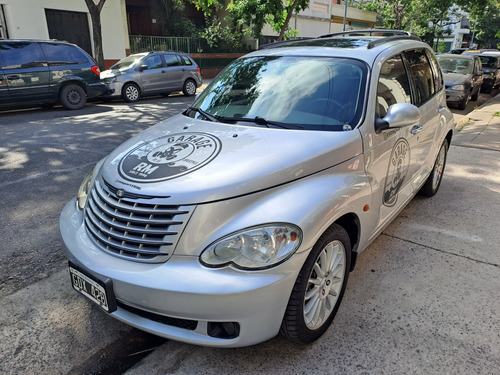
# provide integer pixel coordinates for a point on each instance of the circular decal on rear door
(169, 157)
(397, 170)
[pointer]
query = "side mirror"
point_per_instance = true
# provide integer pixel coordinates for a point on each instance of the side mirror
(142, 68)
(398, 115)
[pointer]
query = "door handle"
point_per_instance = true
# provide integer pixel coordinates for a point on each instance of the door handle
(416, 129)
(13, 77)
(163, 71)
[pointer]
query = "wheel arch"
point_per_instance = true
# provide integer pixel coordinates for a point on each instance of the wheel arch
(351, 224)
(73, 81)
(448, 137)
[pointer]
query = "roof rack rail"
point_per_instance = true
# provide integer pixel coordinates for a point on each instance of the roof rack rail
(282, 42)
(370, 32)
(395, 35)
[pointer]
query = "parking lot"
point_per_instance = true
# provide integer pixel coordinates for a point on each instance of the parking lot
(424, 298)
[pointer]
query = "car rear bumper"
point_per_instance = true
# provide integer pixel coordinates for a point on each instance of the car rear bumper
(95, 89)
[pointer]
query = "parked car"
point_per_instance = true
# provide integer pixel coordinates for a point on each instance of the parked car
(458, 51)
(491, 71)
(242, 216)
(151, 73)
(463, 77)
(36, 72)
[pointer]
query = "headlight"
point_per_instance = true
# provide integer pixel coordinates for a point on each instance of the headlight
(84, 190)
(254, 248)
(458, 87)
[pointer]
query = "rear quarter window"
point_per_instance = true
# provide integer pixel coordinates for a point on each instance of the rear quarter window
(186, 60)
(63, 54)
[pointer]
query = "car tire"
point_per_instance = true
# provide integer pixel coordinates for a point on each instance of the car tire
(73, 96)
(431, 185)
(131, 92)
(316, 297)
(463, 104)
(189, 88)
(475, 96)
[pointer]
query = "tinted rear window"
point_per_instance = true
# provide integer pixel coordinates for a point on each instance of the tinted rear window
(63, 54)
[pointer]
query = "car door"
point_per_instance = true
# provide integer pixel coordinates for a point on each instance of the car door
(153, 74)
(425, 88)
(4, 90)
(175, 71)
(478, 78)
(390, 157)
(25, 71)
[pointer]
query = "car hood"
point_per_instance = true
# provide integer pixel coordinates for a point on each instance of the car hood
(113, 72)
(194, 161)
(451, 79)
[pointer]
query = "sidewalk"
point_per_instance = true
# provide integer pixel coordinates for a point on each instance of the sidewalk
(481, 127)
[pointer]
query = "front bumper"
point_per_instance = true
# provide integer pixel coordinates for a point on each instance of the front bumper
(155, 297)
(454, 97)
(113, 90)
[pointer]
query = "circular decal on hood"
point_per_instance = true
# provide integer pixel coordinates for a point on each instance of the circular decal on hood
(169, 157)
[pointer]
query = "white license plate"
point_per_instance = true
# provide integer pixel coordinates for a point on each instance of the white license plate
(90, 288)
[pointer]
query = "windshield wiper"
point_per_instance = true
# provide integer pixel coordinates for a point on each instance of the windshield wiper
(261, 121)
(204, 114)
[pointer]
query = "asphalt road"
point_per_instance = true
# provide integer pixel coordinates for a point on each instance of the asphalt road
(423, 298)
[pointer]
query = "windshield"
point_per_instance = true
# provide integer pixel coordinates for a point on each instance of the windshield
(126, 62)
(318, 93)
(459, 66)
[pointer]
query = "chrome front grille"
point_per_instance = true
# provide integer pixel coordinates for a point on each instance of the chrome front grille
(142, 229)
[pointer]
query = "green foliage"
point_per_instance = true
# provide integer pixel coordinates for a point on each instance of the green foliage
(172, 20)
(431, 19)
(252, 15)
(218, 35)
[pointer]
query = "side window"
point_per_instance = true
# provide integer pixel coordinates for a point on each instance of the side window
(421, 74)
(61, 54)
(436, 72)
(393, 85)
(153, 62)
(187, 60)
(16, 55)
(171, 60)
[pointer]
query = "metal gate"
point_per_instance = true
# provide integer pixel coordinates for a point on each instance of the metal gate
(72, 27)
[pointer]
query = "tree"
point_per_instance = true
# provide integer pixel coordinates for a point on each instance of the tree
(429, 19)
(254, 14)
(485, 21)
(95, 15)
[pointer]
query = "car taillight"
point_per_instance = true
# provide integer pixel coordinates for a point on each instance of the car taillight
(198, 69)
(96, 70)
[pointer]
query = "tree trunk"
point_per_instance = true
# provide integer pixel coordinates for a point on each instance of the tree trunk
(287, 20)
(95, 15)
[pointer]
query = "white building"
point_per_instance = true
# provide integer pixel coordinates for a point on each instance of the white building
(325, 17)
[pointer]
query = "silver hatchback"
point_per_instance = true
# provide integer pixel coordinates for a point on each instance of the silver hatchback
(151, 73)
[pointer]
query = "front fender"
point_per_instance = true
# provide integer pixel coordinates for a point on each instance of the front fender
(313, 203)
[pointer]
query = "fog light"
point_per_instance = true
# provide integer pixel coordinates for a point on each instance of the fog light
(223, 330)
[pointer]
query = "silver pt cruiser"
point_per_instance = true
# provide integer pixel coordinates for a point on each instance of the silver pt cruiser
(242, 216)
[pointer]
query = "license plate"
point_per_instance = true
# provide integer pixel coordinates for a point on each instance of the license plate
(98, 291)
